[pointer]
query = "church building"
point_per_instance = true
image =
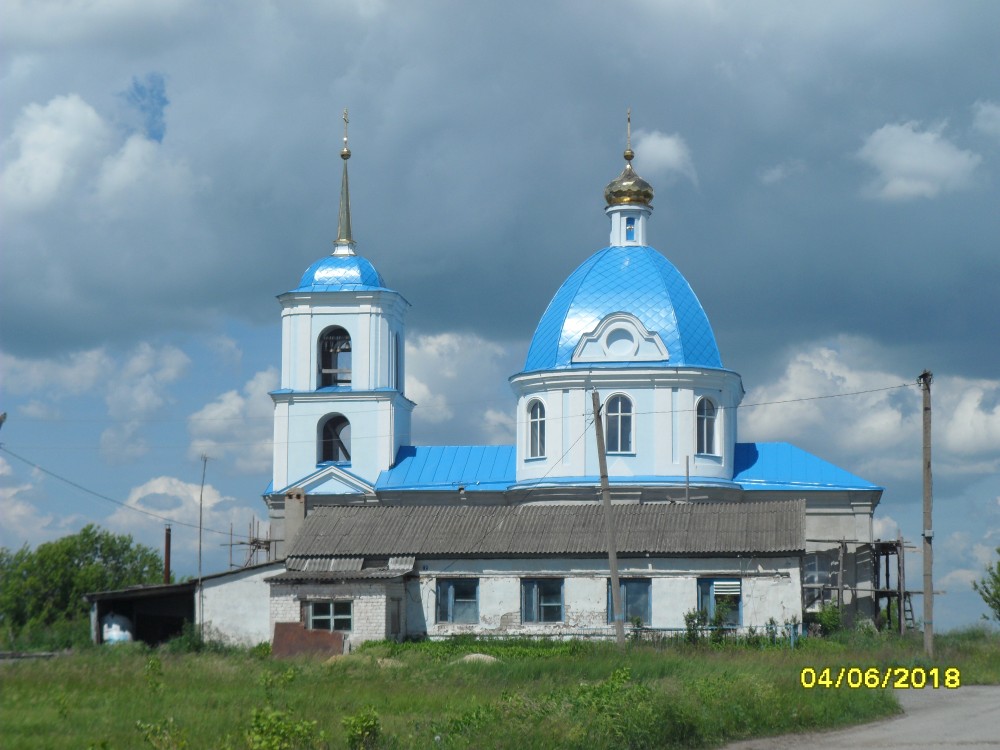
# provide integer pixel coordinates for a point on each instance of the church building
(385, 539)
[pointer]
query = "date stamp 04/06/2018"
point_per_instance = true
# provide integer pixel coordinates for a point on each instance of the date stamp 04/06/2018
(872, 678)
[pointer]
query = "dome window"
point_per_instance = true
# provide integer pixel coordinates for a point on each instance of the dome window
(335, 439)
(334, 358)
(630, 229)
(536, 429)
(707, 413)
(618, 424)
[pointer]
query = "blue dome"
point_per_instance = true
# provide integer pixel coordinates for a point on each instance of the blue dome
(633, 279)
(340, 273)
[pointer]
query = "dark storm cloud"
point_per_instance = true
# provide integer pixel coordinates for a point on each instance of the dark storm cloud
(482, 139)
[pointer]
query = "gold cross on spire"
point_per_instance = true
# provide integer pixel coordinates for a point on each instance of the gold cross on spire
(345, 152)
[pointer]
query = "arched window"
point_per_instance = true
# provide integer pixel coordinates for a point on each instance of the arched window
(536, 429)
(707, 412)
(335, 439)
(630, 229)
(334, 358)
(618, 424)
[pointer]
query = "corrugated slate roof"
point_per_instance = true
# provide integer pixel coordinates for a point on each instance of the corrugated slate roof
(530, 530)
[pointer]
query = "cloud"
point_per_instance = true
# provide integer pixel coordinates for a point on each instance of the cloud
(877, 432)
(916, 164)
(885, 527)
(238, 426)
(781, 172)
(986, 118)
(959, 578)
(74, 373)
(178, 501)
(458, 380)
(660, 153)
(136, 391)
(53, 144)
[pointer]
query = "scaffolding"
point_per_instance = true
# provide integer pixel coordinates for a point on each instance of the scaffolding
(885, 551)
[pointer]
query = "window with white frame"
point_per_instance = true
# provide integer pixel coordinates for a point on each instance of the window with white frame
(636, 600)
(334, 358)
(541, 600)
(707, 413)
(723, 596)
(329, 615)
(536, 429)
(618, 424)
(458, 600)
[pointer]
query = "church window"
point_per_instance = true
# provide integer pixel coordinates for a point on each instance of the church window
(630, 230)
(335, 439)
(329, 616)
(536, 429)
(458, 600)
(707, 412)
(618, 424)
(334, 358)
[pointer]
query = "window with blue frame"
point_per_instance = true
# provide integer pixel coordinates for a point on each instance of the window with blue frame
(723, 595)
(542, 600)
(458, 600)
(630, 230)
(636, 600)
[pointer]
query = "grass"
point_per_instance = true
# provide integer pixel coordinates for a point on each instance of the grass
(539, 694)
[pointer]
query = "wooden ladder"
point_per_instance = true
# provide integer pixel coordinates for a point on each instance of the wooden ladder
(908, 611)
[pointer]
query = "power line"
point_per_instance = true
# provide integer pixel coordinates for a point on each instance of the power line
(88, 491)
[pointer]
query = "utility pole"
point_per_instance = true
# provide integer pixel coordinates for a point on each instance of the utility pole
(609, 526)
(925, 380)
(201, 515)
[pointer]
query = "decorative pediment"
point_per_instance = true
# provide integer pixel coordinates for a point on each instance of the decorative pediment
(620, 337)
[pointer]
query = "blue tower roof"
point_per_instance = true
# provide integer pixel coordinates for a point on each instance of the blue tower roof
(634, 279)
(341, 273)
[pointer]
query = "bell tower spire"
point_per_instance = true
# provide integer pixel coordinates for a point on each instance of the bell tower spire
(344, 244)
(629, 198)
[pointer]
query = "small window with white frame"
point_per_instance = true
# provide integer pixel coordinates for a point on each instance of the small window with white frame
(707, 416)
(336, 615)
(536, 429)
(618, 424)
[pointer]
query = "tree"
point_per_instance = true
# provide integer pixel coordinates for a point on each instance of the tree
(989, 587)
(43, 589)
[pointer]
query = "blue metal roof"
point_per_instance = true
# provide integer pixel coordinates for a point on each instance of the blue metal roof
(782, 466)
(341, 273)
(633, 279)
(759, 466)
(448, 467)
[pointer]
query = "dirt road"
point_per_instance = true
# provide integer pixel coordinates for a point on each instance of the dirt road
(965, 718)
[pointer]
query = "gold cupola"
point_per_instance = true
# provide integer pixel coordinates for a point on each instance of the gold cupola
(628, 187)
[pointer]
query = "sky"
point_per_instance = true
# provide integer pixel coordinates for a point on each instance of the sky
(827, 178)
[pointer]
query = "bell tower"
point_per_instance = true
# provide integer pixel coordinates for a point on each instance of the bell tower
(340, 413)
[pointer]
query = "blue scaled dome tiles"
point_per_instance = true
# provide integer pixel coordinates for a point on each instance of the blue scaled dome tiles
(336, 273)
(634, 279)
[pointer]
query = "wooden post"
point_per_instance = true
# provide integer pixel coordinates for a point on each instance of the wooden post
(609, 525)
(901, 586)
(925, 380)
(840, 578)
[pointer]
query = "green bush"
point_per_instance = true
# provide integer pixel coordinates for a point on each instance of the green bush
(363, 729)
(830, 619)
